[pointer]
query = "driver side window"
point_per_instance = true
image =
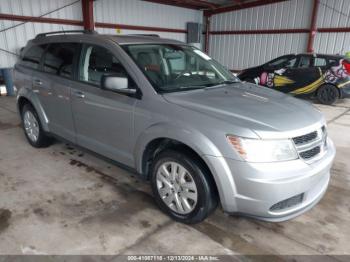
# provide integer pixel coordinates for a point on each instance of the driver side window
(283, 62)
(97, 61)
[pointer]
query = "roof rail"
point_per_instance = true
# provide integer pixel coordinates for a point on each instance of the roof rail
(150, 35)
(66, 32)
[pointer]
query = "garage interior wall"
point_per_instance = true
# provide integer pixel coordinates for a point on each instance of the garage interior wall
(141, 13)
(14, 34)
(18, 33)
(239, 51)
(333, 14)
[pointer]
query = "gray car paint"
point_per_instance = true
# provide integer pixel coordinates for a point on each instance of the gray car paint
(120, 127)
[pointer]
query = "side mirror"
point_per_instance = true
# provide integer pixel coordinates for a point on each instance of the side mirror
(117, 84)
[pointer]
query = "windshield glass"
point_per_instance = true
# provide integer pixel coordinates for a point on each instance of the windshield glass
(172, 68)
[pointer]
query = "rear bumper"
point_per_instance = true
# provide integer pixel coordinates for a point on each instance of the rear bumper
(256, 187)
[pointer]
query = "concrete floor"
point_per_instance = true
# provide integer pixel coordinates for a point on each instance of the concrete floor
(60, 200)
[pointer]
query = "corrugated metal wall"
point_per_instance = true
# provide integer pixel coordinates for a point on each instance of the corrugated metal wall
(242, 51)
(135, 12)
(130, 12)
(333, 13)
(15, 38)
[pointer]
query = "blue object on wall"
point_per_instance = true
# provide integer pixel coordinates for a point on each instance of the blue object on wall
(7, 75)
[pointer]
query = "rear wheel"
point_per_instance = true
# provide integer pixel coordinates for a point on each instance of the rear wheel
(32, 128)
(327, 94)
(182, 187)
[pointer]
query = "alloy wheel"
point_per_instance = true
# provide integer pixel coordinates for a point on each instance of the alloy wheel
(177, 187)
(31, 126)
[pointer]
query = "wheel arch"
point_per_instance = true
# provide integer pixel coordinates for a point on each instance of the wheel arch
(24, 97)
(159, 137)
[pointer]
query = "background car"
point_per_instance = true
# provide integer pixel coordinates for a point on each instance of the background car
(326, 77)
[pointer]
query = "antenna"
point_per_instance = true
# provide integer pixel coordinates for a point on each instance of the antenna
(64, 32)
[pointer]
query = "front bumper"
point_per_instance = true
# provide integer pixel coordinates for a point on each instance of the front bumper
(253, 189)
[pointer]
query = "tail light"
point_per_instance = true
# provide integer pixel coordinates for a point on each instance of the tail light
(346, 65)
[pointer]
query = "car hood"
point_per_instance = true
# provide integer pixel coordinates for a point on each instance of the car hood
(250, 106)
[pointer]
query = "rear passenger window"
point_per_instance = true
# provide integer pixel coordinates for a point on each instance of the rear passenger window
(59, 59)
(31, 58)
(319, 61)
(98, 61)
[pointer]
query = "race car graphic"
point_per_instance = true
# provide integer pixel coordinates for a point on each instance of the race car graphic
(322, 76)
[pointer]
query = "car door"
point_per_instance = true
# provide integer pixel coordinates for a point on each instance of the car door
(103, 118)
(29, 71)
(302, 76)
(273, 73)
(55, 81)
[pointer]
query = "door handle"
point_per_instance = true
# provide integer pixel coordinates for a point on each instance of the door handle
(79, 94)
(38, 82)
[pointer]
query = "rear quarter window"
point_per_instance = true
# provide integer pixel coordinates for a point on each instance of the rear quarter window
(31, 58)
(320, 62)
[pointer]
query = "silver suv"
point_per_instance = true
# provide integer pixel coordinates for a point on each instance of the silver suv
(180, 119)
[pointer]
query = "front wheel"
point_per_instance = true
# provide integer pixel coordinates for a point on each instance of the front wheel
(327, 94)
(182, 187)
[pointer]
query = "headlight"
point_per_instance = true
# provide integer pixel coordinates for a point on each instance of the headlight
(257, 150)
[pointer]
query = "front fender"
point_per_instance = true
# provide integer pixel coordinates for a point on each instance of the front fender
(202, 145)
(190, 137)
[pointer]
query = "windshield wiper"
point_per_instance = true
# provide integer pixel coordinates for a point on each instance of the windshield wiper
(193, 87)
(183, 88)
(223, 83)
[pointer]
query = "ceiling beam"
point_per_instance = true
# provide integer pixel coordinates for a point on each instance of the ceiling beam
(175, 3)
(240, 6)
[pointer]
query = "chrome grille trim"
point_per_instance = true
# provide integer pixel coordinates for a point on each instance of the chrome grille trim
(299, 140)
(311, 146)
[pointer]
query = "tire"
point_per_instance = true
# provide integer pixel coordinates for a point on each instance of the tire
(194, 209)
(327, 94)
(32, 128)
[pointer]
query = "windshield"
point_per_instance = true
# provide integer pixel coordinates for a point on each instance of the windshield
(172, 68)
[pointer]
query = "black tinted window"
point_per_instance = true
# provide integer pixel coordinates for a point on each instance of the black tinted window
(333, 62)
(31, 58)
(304, 62)
(59, 59)
(286, 61)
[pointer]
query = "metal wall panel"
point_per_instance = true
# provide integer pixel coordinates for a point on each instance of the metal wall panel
(40, 7)
(289, 14)
(332, 43)
(131, 12)
(15, 38)
(333, 13)
(242, 51)
(135, 12)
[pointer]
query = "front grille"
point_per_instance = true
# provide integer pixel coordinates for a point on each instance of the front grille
(290, 202)
(311, 145)
(310, 153)
(305, 138)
